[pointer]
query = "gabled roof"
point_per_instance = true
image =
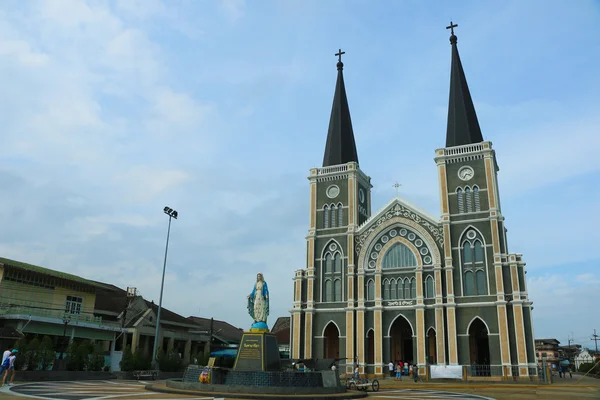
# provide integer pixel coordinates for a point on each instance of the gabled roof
(463, 126)
(221, 329)
(340, 147)
(49, 272)
(281, 323)
(403, 203)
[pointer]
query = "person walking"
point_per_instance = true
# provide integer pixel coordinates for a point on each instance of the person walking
(415, 372)
(398, 372)
(391, 369)
(9, 366)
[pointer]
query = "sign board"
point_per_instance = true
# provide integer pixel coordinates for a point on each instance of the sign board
(401, 303)
(446, 371)
(211, 362)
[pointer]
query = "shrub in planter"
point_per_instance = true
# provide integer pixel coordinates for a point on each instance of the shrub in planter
(46, 353)
(586, 367)
(141, 361)
(77, 356)
(127, 362)
(21, 360)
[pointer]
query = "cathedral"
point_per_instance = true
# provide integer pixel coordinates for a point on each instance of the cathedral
(400, 284)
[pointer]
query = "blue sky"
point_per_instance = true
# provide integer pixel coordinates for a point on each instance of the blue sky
(111, 110)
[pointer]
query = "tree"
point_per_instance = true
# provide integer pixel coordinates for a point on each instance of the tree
(95, 361)
(21, 360)
(141, 360)
(46, 353)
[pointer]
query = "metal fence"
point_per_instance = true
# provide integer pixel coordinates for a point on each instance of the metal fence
(484, 370)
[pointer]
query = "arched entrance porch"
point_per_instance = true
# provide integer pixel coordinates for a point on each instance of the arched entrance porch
(332, 341)
(401, 340)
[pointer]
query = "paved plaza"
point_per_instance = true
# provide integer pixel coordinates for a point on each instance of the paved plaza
(577, 388)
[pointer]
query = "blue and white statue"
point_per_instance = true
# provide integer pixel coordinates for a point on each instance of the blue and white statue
(258, 304)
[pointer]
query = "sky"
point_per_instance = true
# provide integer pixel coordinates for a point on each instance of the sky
(111, 110)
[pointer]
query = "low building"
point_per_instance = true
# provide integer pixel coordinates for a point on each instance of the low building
(224, 334)
(547, 350)
(584, 357)
(281, 330)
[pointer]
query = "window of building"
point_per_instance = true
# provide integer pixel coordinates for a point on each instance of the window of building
(461, 200)
(386, 289)
(400, 289)
(469, 200)
(337, 290)
(398, 256)
(473, 265)
(429, 293)
(73, 305)
(328, 263)
(340, 214)
(337, 264)
(413, 288)
(325, 216)
(481, 282)
(393, 293)
(469, 283)
(370, 289)
(476, 198)
(328, 290)
(333, 214)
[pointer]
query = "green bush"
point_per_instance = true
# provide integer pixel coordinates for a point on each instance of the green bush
(46, 353)
(127, 362)
(77, 356)
(141, 361)
(95, 361)
(31, 356)
(170, 362)
(591, 368)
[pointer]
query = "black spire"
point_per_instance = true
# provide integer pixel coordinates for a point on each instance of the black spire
(340, 147)
(463, 127)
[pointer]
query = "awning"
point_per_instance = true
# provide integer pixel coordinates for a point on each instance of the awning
(8, 332)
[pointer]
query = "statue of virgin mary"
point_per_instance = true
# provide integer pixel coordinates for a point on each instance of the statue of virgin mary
(258, 301)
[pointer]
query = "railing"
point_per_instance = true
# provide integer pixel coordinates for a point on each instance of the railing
(458, 150)
(484, 370)
(515, 371)
(533, 371)
(41, 312)
(332, 170)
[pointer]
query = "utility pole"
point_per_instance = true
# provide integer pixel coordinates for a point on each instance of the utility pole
(210, 336)
(595, 338)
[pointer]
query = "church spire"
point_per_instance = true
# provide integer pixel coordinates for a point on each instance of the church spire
(463, 127)
(340, 147)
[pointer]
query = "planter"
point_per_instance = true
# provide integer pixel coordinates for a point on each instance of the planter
(163, 375)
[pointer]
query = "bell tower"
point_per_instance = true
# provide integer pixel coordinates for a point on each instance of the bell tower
(478, 268)
(340, 200)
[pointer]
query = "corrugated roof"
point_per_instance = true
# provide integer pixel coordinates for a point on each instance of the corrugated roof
(49, 272)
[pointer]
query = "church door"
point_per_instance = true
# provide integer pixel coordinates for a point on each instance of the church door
(401, 339)
(370, 347)
(479, 346)
(332, 341)
(431, 347)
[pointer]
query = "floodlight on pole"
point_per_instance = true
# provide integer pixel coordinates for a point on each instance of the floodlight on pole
(172, 214)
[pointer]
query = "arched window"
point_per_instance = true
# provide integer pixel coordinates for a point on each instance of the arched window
(328, 290)
(461, 200)
(340, 214)
(481, 283)
(476, 198)
(429, 287)
(328, 263)
(333, 212)
(400, 289)
(478, 253)
(407, 284)
(413, 288)
(337, 264)
(393, 293)
(325, 216)
(467, 253)
(371, 290)
(386, 289)
(469, 284)
(469, 200)
(337, 290)
(399, 255)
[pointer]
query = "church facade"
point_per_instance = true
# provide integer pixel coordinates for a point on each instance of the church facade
(400, 284)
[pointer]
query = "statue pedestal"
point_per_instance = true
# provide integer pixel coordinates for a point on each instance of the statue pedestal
(258, 351)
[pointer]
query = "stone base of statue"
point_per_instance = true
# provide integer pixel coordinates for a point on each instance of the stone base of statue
(258, 351)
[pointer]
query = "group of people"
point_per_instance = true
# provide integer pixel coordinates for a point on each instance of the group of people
(8, 365)
(403, 368)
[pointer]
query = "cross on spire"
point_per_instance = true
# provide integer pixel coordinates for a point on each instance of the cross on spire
(397, 186)
(451, 27)
(339, 55)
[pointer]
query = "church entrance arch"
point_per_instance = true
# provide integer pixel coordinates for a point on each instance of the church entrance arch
(332, 341)
(401, 339)
(479, 346)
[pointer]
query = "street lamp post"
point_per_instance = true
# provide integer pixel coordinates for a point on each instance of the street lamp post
(172, 214)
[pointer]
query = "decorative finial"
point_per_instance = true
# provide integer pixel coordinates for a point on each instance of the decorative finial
(340, 64)
(397, 186)
(452, 35)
